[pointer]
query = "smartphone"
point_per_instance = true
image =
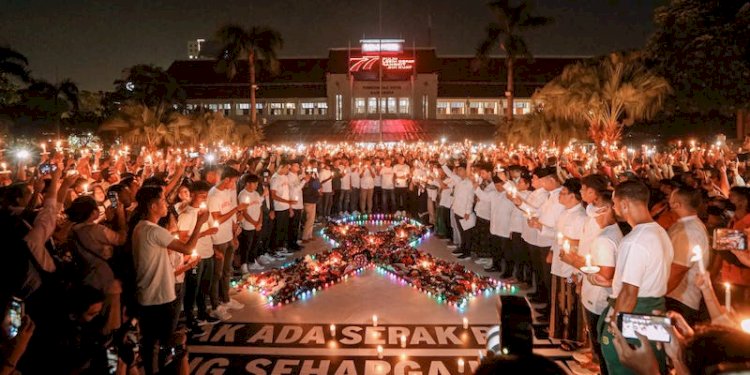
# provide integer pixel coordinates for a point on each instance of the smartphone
(47, 168)
(15, 313)
(112, 196)
(194, 155)
(655, 328)
(729, 239)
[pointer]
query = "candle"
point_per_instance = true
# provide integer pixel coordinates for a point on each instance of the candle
(466, 323)
(461, 365)
(698, 257)
(588, 260)
(403, 341)
(85, 188)
(566, 246)
(560, 238)
(216, 224)
(728, 296)
(374, 320)
(333, 330)
(202, 206)
(745, 324)
(194, 254)
(380, 351)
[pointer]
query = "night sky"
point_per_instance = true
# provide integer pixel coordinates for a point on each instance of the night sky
(92, 41)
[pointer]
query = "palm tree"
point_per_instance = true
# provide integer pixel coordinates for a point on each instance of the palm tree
(533, 129)
(507, 32)
(607, 95)
(55, 101)
(255, 43)
(13, 64)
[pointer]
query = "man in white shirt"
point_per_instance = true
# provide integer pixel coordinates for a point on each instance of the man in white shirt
(344, 196)
(355, 181)
(282, 201)
(566, 318)
(445, 201)
(367, 187)
(687, 234)
(223, 206)
(326, 190)
(154, 274)
(198, 281)
(545, 225)
(251, 222)
(295, 188)
(485, 192)
(401, 184)
(530, 206)
(389, 196)
(641, 275)
(463, 208)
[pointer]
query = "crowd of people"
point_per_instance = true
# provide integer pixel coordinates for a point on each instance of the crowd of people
(118, 257)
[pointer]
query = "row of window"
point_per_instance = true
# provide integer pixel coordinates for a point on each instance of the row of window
(387, 105)
(274, 109)
(445, 107)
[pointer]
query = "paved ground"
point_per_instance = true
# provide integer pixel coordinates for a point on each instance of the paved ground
(298, 338)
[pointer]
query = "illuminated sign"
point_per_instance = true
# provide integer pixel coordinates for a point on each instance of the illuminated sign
(382, 45)
(367, 63)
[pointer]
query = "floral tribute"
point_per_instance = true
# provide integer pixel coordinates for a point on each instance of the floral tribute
(391, 253)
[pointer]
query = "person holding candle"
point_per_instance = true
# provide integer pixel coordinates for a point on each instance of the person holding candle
(295, 210)
(387, 187)
(566, 319)
(486, 194)
(532, 242)
(463, 207)
(641, 273)
(731, 269)
(251, 221)
(686, 234)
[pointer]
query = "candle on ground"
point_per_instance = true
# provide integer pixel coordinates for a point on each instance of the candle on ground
(403, 341)
(333, 330)
(466, 323)
(374, 320)
(728, 296)
(461, 365)
(380, 352)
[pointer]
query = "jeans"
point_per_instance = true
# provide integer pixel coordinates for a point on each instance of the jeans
(222, 273)
(365, 200)
(389, 201)
(326, 201)
(198, 284)
(354, 201)
(248, 250)
(156, 330)
(293, 233)
(401, 197)
(309, 221)
(343, 201)
(280, 229)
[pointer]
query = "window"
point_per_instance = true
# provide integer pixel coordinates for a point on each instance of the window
(457, 108)
(372, 105)
(339, 107)
(489, 108)
(391, 105)
(359, 106)
(474, 108)
(277, 109)
(290, 107)
(442, 108)
(258, 108)
(308, 109)
(322, 108)
(403, 105)
(243, 109)
(213, 107)
(226, 107)
(191, 106)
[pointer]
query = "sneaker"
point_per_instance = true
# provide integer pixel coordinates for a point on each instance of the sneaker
(255, 266)
(207, 321)
(266, 259)
(457, 252)
(483, 261)
(452, 247)
(464, 257)
(244, 268)
(300, 242)
(280, 256)
(221, 313)
(234, 304)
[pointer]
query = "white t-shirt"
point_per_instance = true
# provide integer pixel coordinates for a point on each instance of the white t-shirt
(327, 186)
(153, 269)
(186, 223)
(222, 201)
(570, 224)
(532, 204)
(603, 251)
(253, 209)
(386, 174)
(644, 258)
(346, 180)
(401, 172)
(446, 195)
(355, 177)
(687, 233)
(295, 190)
(280, 184)
(367, 180)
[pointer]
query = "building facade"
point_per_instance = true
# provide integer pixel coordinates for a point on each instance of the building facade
(379, 79)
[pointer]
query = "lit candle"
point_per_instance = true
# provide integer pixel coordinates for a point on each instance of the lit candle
(403, 341)
(85, 188)
(466, 323)
(560, 238)
(194, 254)
(374, 320)
(461, 365)
(202, 206)
(380, 351)
(216, 224)
(566, 246)
(333, 330)
(728, 296)
(745, 324)
(588, 260)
